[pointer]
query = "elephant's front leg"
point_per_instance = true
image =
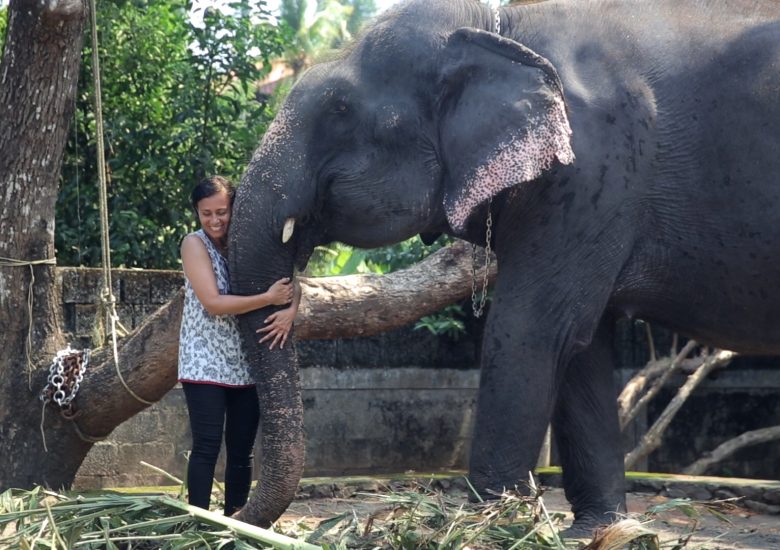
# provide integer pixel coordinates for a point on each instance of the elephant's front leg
(516, 395)
(587, 432)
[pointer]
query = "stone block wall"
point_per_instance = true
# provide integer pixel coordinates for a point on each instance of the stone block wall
(138, 294)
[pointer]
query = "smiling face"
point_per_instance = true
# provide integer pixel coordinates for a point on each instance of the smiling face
(214, 216)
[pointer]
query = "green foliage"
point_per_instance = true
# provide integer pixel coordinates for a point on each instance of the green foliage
(362, 11)
(178, 103)
(341, 259)
(401, 255)
(318, 27)
(337, 259)
(3, 26)
(447, 322)
(44, 519)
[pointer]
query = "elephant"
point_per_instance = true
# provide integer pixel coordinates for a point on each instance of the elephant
(627, 155)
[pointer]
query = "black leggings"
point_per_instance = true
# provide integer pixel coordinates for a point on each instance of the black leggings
(211, 407)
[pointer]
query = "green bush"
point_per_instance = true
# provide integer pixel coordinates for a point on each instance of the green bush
(3, 25)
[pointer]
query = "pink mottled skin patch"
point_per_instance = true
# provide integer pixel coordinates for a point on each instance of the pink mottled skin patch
(523, 157)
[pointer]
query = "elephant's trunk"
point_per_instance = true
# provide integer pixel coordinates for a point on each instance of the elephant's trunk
(258, 258)
(281, 409)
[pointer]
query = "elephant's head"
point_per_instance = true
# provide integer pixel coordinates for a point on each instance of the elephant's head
(411, 130)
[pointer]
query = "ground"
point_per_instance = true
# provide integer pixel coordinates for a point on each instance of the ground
(740, 527)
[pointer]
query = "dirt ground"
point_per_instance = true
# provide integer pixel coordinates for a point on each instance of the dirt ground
(745, 529)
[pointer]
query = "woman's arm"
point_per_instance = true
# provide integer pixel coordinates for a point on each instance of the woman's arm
(280, 323)
(200, 273)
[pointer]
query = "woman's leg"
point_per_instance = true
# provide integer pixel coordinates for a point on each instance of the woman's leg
(206, 405)
(242, 418)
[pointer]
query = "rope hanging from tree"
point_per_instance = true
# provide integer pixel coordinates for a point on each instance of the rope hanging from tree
(68, 367)
(107, 299)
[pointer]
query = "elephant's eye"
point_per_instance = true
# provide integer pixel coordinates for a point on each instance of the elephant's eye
(340, 107)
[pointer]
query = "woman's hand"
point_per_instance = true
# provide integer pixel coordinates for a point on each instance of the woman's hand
(280, 293)
(278, 327)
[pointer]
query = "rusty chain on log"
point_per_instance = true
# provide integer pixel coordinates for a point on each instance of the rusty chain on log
(65, 376)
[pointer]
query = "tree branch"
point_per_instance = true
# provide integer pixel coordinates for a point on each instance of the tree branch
(728, 448)
(631, 401)
(363, 305)
(148, 360)
(652, 439)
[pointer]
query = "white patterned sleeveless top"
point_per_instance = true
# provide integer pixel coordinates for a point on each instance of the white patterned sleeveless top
(210, 345)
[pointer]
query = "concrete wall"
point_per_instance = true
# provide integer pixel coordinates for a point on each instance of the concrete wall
(401, 401)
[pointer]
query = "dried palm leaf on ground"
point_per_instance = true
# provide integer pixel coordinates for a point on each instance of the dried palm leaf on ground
(44, 519)
(635, 531)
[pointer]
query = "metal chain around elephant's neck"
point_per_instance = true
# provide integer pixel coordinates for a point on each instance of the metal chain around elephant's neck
(478, 306)
(496, 20)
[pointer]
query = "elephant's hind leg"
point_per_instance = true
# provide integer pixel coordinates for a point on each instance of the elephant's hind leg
(585, 424)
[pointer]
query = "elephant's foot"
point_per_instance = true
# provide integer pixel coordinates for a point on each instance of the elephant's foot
(580, 530)
(585, 525)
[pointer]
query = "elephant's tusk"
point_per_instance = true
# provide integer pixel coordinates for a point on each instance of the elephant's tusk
(289, 226)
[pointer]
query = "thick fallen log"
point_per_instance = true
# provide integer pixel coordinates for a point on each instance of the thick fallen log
(363, 305)
(331, 307)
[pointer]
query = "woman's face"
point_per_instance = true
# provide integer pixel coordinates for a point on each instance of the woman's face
(214, 216)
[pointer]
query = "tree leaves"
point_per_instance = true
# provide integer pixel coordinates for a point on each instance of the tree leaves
(178, 104)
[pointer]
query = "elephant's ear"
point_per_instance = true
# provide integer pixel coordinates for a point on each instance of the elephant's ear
(503, 119)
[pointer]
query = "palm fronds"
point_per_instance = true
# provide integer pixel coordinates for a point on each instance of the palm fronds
(414, 517)
(45, 519)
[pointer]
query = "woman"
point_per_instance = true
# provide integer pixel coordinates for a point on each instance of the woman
(218, 388)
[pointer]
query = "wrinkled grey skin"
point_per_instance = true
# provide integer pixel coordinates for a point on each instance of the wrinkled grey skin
(666, 207)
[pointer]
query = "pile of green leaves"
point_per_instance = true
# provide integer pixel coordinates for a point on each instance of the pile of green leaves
(429, 519)
(44, 519)
(179, 103)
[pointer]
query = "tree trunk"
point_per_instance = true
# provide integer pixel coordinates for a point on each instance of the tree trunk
(38, 76)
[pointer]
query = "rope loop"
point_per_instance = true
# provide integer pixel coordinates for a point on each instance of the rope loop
(12, 262)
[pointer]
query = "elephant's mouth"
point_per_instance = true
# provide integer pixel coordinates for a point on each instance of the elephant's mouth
(301, 241)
